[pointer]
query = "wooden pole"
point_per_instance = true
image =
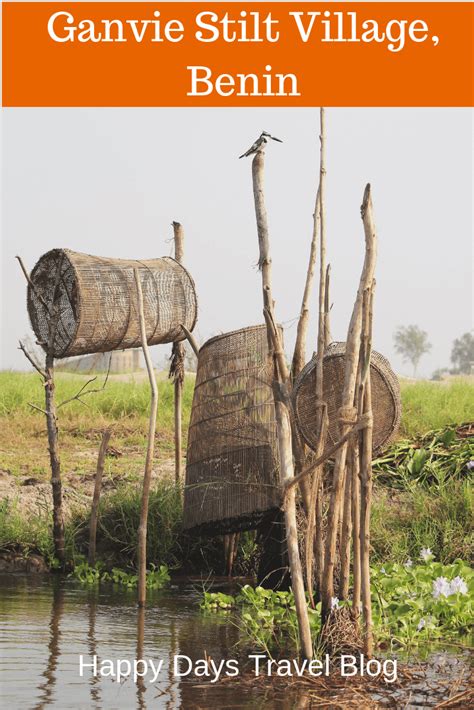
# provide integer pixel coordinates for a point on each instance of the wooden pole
(178, 372)
(354, 472)
(191, 340)
(366, 441)
(346, 532)
(52, 427)
(347, 412)
(327, 308)
(142, 530)
(282, 403)
(320, 405)
(299, 354)
(96, 497)
(53, 447)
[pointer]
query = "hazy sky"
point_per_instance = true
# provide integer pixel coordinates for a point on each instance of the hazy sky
(110, 181)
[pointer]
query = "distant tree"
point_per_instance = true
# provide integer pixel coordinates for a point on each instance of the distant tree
(411, 343)
(462, 354)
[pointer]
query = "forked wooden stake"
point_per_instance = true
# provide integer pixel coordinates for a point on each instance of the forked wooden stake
(142, 530)
(282, 404)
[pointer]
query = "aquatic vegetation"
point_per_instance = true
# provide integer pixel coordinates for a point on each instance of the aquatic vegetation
(157, 577)
(411, 605)
(430, 460)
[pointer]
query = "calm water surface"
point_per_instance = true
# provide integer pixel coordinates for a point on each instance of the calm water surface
(46, 623)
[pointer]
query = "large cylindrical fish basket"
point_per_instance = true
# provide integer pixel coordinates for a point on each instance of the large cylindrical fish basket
(80, 304)
(386, 402)
(232, 466)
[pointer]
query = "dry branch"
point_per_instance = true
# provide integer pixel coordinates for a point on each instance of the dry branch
(84, 391)
(191, 340)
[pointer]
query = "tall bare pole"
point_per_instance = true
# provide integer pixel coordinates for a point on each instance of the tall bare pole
(316, 488)
(177, 368)
(366, 439)
(299, 353)
(347, 412)
(142, 530)
(281, 378)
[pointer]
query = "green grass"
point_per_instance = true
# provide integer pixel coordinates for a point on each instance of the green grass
(433, 405)
(119, 399)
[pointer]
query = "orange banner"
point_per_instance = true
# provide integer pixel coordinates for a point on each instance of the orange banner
(237, 54)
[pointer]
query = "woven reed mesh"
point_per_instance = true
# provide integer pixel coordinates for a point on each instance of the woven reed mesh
(96, 301)
(386, 403)
(232, 458)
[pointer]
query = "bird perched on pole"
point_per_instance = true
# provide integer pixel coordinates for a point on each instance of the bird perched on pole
(261, 141)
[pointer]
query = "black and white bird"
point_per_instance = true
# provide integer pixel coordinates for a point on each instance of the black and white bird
(261, 140)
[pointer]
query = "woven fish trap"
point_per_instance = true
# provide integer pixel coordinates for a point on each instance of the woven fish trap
(88, 304)
(386, 402)
(232, 471)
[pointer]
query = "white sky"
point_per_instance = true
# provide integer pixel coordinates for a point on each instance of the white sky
(110, 181)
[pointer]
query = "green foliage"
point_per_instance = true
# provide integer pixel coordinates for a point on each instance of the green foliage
(429, 460)
(411, 604)
(441, 517)
(419, 603)
(412, 343)
(119, 519)
(26, 532)
(156, 577)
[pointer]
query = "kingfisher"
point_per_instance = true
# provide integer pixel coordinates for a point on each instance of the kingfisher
(261, 140)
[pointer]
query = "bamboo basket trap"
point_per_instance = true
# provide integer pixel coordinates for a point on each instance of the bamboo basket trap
(386, 402)
(81, 304)
(232, 470)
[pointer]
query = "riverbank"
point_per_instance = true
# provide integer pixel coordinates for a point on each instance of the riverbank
(422, 496)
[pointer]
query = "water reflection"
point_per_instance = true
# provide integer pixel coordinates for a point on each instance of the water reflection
(47, 624)
(92, 645)
(46, 688)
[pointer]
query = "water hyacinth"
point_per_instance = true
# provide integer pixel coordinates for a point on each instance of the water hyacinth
(425, 554)
(470, 465)
(421, 625)
(443, 588)
(458, 586)
(408, 563)
(334, 603)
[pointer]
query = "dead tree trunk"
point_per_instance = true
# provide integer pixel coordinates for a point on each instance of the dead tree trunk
(347, 413)
(142, 530)
(282, 404)
(177, 368)
(56, 484)
(96, 497)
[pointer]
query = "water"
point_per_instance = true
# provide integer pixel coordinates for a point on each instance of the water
(47, 623)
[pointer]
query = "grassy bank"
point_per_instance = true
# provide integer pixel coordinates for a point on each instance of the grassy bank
(411, 510)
